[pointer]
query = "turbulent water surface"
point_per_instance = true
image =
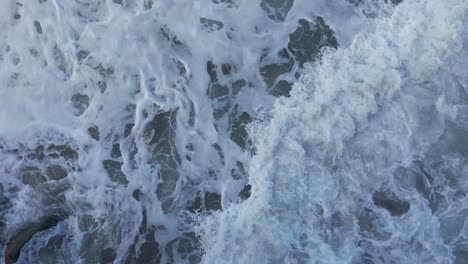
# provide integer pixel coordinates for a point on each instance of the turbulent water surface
(234, 131)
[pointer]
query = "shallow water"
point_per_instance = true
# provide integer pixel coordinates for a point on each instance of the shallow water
(230, 131)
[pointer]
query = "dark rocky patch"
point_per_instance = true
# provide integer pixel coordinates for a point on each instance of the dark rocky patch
(235, 174)
(108, 255)
(208, 202)
(114, 170)
(211, 24)
(128, 129)
(115, 152)
(92, 245)
(304, 45)
(148, 4)
(220, 152)
(102, 85)
(37, 153)
(226, 68)
(159, 135)
(5, 203)
(284, 54)
(276, 10)
(197, 205)
(33, 52)
(38, 27)
(82, 54)
(93, 132)
(238, 85)
(188, 246)
(80, 103)
(238, 128)
(103, 71)
(51, 251)
(149, 252)
(359, 2)
(137, 194)
(32, 176)
(282, 88)
(22, 237)
(212, 201)
(62, 151)
(216, 91)
(271, 72)
(309, 37)
(238, 172)
(221, 1)
(461, 256)
(356, 2)
(211, 69)
(222, 109)
(245, 193)
(165, 32)
(390, 202)
(181, 68)
(56, 172)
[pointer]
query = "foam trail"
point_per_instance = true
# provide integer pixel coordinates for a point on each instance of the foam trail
(350, 123)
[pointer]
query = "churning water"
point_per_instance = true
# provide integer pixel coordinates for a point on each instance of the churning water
(234, 131)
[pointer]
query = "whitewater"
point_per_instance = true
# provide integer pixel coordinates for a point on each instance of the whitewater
(234, 131)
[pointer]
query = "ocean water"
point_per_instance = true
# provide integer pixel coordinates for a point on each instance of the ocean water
(234, 131)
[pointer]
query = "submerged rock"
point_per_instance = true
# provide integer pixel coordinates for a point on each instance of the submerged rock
(159, 135)
(309, 37)
(304, 45)
(56, 172)
(271, 72)
(213, 201)
(115, 152)
(38, 27)
(108, 255)
(114, 170)
(238, 125)
(461, 256)
(80, 103)
(82, 54)
(211, 24)
(245, 193)
(238, 85)
(188, 247)
(93, 132)
(149, 252)
(276, 10)
(137, 194)
(22, 237)
(282, 88)
(390, 202)
(32, 176)
(62, 151)
(209, 202)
